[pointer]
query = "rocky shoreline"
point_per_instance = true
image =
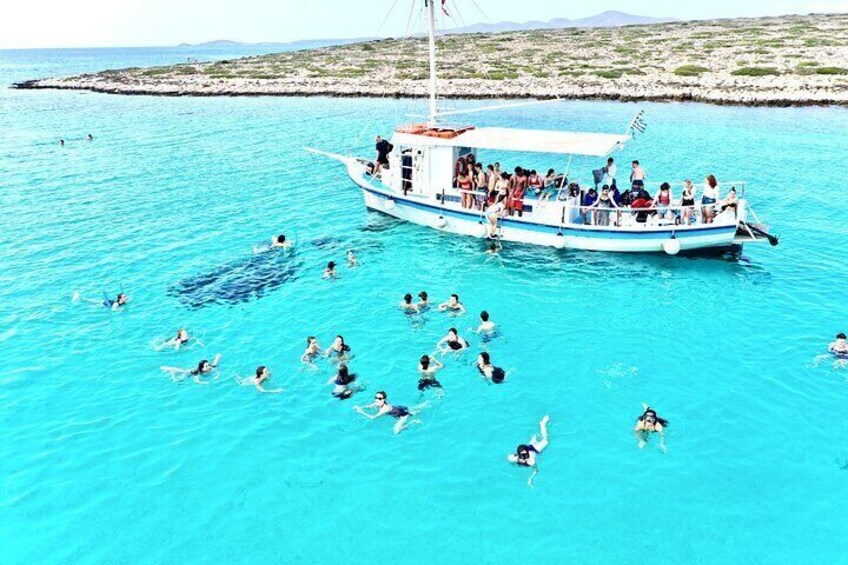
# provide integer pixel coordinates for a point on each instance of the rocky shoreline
(790, 61)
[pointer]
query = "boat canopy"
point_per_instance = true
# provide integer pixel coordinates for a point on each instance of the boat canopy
(522, 140)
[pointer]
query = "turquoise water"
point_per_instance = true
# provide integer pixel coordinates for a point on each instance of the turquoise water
(104, 458)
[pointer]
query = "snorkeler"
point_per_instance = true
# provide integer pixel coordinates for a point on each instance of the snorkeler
(203, 368)
(649, 423)
(453, 305)
(407, 305)
(427, 368)
(343, 379)
(493, 374)
(424, 301)
(839, 347)
(486, 328)
(330, 271)
(113, 304)
(383, 408)
(313, 349)
(525, 454)
(262, 375)
(451, 342)
(339, 349)
(351, 259)
(182, 338)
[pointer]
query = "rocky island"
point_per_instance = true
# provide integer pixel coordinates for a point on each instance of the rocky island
(780, 61)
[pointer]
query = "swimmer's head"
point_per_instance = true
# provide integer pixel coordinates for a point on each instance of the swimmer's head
(339, 341)
(454, 298)
(261, 371)
(840, 336)
(407, 298)
(484, 316)
(423, 295)
(122, 299)
(649, 417)
(425, 362)
(203, 366)
(350, 253)
(452, 332)
(331, 265)
(281, 238)
(522, 452)
(493, 247)
(343, 371)
(483, 358)
(380, 398)
(182, 335)
(310, 340)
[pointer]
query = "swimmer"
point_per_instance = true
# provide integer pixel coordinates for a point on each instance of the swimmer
(407, 305)
(424, 301)
(113, 304)
(342, 379)
(383, 408)
(203, 368)
(453, 305)
(351, 259)
(61, 143)
(330, 271)
(280, 242)
(340, 350)
(262, 375)
(486, 328)
(839, 347)
(493, 374)
(427, 368)
(648, 423)
(313, 349)
(182, 338)
(89, 137)
(525, 454)
(495, 247)
(451, 342)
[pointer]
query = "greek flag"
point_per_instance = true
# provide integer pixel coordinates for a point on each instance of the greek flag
(638, 124)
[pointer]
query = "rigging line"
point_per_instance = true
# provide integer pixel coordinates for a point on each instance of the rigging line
(482, 13)
(388, 15)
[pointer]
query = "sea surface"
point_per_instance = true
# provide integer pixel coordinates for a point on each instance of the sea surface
(105, 458)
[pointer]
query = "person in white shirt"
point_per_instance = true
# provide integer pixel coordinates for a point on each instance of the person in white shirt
(609, 173)
(710, 196)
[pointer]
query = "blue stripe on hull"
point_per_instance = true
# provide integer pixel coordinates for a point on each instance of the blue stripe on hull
(544, 228)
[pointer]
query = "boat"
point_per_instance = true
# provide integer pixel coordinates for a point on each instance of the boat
(418, 184)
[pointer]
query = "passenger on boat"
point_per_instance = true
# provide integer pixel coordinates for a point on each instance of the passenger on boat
(407, 306)
(573, 190)
(731, 201)
(535, 182)
(662, 202)
(711, 195)
(687, 201)
(637, 176)
(423, 302)
(383, 148)
(460, 168)
(465, 183)
(603, 205)
(649, 423)
(517, 190)
(642, 203)
(451, 342)
(493, 374)
(839, 347)
(481, 183)
(262, 375)
(487, 328)
(589, 200)
(551, 184)
(453, 305)
(525, 454)
(492, 178)
(494, 213)
(339, 350)
(330, 271)
(428, 367)
(342, 381)
(313, 349)
(609, 174)
(503, 187)
(383, 408)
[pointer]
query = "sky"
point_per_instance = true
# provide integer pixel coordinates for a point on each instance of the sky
(124, 23)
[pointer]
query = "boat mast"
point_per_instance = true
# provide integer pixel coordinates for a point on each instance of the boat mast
(431, 21)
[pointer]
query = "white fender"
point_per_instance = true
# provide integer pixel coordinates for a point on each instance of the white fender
(389, 204)
(560, 242)
(440, 222)
(671, 246)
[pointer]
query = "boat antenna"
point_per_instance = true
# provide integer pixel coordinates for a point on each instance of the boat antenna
(431, 24)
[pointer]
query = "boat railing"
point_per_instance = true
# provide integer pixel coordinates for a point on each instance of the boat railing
(623, 216)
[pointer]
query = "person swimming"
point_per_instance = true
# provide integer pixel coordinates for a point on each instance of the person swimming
(453, 305)
(839, 347)
(262, 375)
(281, 242)
(487, 328)
(495, 375)
(313, 349)
(382, 408)
(89, 137)
(351, 259)
(423, 301)
(407, 306)
(343, 379)
(339, 349)
(428, 367)
(525, 454)
(451, 342)
(649, 423)
(181, 339)
(203, 368)
(330, 271)
(113, 304)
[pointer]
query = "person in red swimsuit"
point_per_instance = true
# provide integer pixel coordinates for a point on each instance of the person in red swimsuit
(517, 190)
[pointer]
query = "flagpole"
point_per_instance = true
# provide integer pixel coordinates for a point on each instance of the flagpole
(432, 33)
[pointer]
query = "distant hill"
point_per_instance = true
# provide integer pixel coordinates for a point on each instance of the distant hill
(611, 18)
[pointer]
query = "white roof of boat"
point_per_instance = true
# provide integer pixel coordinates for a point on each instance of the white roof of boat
(527, 140)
